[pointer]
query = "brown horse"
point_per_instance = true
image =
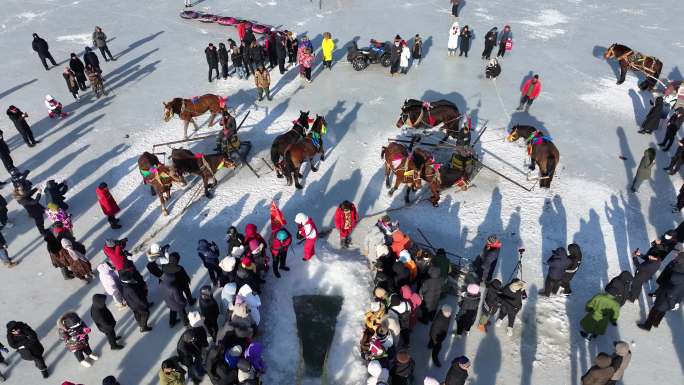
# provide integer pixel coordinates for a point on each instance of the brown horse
(205, 166)
(305, 151)
(188, 109)
(541, 150)
(159, 177)
(283, 141)
(410, 169)
(636, 61)
(420, 114)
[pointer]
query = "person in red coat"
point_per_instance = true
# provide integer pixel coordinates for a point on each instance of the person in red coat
(530, 90)
(306, 230)
(259, 258)
(108, 205)
(281, 239)
(346, 219)
(115, 250)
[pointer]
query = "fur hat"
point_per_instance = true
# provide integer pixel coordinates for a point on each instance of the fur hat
(473, 289)
(446, 310)
(194, 318)
(227, 264)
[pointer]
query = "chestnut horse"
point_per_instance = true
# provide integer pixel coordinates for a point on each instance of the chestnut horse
(541, 150)
(410, 169)
(629, 59)
(188, 109)
(159, 177)
(283, 141)
(305, 151)
(419, 114)
(205, 166)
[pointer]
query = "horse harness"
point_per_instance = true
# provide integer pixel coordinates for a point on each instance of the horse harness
(637, 61)
(406, 117)
(534, 139)
(155, 174)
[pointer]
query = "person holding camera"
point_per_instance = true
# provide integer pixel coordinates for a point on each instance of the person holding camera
(486, 262)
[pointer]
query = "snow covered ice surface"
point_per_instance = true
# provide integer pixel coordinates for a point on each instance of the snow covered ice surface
(591, 120)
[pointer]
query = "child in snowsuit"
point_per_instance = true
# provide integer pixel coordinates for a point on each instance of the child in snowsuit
(54, 108)
(346, 219)
(74, 332)
(327, 47)
(306, 230)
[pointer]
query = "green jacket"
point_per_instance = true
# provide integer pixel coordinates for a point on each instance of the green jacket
(175, 378)
(601, 309)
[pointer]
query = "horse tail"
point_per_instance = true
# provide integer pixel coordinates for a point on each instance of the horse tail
(289, 164)
(275, 154)
(382, 153)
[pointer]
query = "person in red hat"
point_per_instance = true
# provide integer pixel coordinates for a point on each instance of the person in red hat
(108, 205)
(306, 230)
(346, 219)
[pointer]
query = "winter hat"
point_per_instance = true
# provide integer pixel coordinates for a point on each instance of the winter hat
(301, 218)
(246, 262)
(281, 235)
(446, 310)
(473, 289)
(462, 360)
(206, 291)
(253, 245)
(110, 242)
(110, 380)
(491, 239)
(374, 368)
(227, 264)
(195, 318)
(153, 252)
(430, 381)
(404, 256)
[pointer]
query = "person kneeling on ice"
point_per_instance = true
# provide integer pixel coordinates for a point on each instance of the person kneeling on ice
(346, 219)
(306, 230)
(54, 107)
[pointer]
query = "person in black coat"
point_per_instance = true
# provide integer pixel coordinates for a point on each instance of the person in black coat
(249, 36)
(90, 58)
(438, 332)
(575, 255)
(78, 67)
(491, 303)
(18, 117)
(652, 121)
(663, 246)
(104, 320)
(395, 55)
(32, 206)
(668, 297)
(557, 262)
(54, 193)
(467, 309)
(490, 43)
(135, 295)
(401, 274)
(272, 54)
(486, 261)
(673, 125)
(619, 287)
(464, 39)
(43, 50)
(209, 254)
(458, 372)
(281, 52)
(190, 349)
(430, 291)
(5, 155)
(3, 206)
(676, 160)
(511, 302)
(209, 309)
(678, 207)
(173, 297)
(223, 60)
(216, 367)
(256, 56)
(675, 265)
(212, 60)
(292, 45)
(402, 368)
(644, 271)
(182, 278)
(21, 337)
(234, 239)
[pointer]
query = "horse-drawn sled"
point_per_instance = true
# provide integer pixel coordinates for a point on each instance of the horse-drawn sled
(629, 59)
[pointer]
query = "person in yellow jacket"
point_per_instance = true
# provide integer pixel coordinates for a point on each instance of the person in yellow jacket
(327, 46)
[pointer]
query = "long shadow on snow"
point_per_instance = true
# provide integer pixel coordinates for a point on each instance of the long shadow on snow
(528, 337)
(11, 90)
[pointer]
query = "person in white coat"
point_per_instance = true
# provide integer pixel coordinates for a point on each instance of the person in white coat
(404, 58)
(111, 284)
(453, 39)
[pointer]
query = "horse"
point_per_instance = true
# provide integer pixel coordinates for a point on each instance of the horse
(305, 151)
(420, 114)
(188, 109)
(410, 169)
(541, 150)
(282, 141)
(205, 166)
(159, 177)
(629, 59)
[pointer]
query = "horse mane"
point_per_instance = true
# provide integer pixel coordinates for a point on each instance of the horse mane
(176, 105)
(317, 124)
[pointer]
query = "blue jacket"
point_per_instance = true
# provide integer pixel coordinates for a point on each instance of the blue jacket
(171, 293)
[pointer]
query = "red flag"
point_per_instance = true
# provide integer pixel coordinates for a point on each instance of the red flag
(277, 218)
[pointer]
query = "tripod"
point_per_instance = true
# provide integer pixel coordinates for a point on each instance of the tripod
(518, 265)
